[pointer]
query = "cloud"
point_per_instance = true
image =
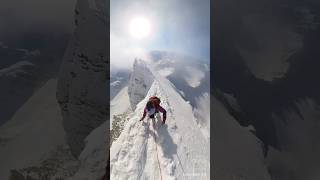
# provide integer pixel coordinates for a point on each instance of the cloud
(17, 16)
(122, 53)
(181, 26)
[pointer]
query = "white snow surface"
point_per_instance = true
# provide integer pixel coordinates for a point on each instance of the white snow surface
(149, 150)
(237, 152)
(33, 132)
(93, 158)
(202, 113)
(299, 158)
(119, 104)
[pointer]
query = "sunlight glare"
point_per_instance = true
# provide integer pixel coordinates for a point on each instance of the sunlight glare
(140, 27)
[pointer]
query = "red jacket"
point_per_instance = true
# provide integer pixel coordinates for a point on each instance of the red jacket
(158, 109)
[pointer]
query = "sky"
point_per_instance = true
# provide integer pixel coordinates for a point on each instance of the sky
(181, 26)
(20, 16)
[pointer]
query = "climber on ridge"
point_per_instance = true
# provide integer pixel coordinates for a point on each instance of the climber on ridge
(153, 107)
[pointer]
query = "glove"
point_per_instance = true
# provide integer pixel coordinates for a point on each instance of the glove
(141, 119)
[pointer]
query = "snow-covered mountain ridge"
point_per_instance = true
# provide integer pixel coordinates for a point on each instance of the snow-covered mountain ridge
(147, 150)
(33, 142)
(45, 141)
(191, 78)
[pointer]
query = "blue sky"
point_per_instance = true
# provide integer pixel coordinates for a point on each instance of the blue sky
(181, 26)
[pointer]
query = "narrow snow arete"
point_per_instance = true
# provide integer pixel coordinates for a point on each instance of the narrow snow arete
(150, 150)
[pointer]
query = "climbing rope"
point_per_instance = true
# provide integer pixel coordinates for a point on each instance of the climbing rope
(155, 141)
(183, 173)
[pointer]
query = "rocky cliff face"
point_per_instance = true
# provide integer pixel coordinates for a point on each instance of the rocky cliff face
(82, 90)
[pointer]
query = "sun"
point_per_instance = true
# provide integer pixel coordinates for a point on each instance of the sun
(140, 27)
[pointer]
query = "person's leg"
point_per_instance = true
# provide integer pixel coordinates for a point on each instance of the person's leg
(153, 123)
(153, 120)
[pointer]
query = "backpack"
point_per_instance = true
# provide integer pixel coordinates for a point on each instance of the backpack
(151, 104)
(155, 100)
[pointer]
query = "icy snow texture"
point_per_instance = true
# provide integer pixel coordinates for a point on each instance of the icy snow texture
(190, 77)
(182, 150)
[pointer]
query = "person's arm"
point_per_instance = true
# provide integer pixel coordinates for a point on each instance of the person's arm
(164, 114)
(144, 114)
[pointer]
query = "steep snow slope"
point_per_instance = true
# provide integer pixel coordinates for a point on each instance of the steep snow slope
(176, 150)
(119, 104)
(202, 113)
(237, 152)
(299, 138)
(28, 61)
(93, 158)
(34, 132)
(118, 80)
(18, 82)
(190, 76)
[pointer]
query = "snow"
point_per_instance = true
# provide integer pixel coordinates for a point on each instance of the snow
(202, 113)
(30, 141)
(299, 138)
(147, 150)
(189, 75)
(119, 104)
(94, 156)
(237, 152)
(232, 101)
(33, 132)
